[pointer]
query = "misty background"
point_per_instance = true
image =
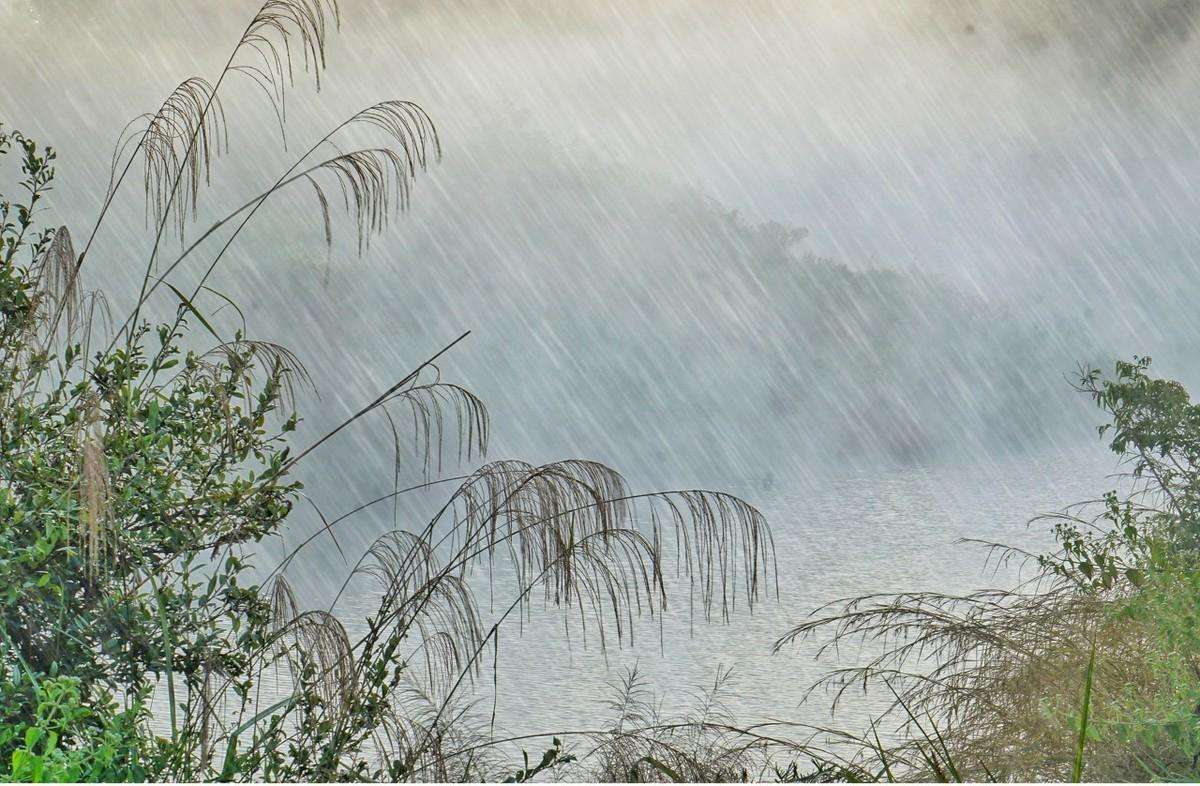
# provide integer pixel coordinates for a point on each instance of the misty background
(841, 258)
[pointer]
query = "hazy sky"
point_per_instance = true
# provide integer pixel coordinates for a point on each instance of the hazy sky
(1038, 151)
(985, 136)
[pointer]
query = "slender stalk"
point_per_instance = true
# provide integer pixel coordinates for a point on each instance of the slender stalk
(1077, 767)
(162, 225)
(168, 660)
(413, 375)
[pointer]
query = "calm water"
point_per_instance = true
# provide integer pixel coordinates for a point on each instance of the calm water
(879, 532)
(882, 531)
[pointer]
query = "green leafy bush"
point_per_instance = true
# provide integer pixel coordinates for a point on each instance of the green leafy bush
(119, 489)
(71, 742)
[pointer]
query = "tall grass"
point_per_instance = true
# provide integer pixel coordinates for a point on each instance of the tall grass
(1077, 767)
(990, 681)
(164, 543)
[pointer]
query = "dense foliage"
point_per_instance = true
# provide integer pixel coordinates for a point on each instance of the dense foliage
(124, 499)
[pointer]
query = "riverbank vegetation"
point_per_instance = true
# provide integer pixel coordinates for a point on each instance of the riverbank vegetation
(1089, 670)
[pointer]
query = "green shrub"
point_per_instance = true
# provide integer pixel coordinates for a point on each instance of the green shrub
(72, 742)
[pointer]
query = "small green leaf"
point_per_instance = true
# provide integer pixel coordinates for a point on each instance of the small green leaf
(186, 303)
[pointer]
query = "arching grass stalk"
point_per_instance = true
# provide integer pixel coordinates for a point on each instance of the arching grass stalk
(1077, 766)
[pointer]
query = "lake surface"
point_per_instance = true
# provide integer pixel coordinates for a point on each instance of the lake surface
(883, 531)
(846, 535)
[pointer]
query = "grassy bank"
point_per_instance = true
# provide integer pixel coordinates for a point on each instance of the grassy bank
(1089, 669)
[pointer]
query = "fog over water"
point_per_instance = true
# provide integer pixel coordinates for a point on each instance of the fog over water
(840, 258)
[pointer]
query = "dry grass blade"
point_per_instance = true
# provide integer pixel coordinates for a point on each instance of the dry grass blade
(575, 527)
(282, 598)
(178, 146)
(443, 659)
(312, 643)
(241, 356)
(722, 544)
(265, 52)
(321, 640)
(423, 733)
(95, 491)
(540, 516)
(701, 745)
(55, 273)
(371, 180)
(374, 184)
(407, 126)
(429, 405)
(281, 26)
(422, 598)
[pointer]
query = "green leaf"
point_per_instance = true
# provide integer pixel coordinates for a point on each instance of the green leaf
(664, 769)
(186, 303)
(1077, 767)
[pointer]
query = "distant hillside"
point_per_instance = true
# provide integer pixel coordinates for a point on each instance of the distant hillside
(638, 321)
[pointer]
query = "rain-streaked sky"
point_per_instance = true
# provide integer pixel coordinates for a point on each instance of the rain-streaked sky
(1034, 157)
(983, 138)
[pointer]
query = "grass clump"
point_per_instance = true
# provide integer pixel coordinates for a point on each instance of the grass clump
(1087, 671)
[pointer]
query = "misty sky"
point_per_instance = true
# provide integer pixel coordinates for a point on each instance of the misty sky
(1028, 151)
(989, 137)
